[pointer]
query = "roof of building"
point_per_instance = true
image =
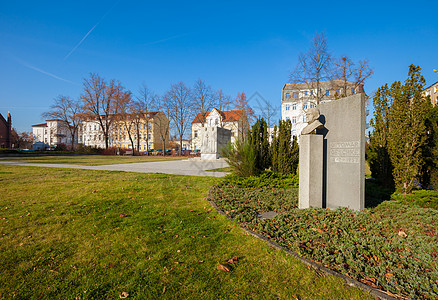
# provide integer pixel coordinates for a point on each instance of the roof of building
(227, 115)
(431, 85)
(3, 119)
(304, 85)
(40, 125)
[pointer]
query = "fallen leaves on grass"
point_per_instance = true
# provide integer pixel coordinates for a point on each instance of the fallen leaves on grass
(124, 295)
(221, 267)
(123, 215)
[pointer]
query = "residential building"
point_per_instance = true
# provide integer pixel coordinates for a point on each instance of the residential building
(50, 134)
(297, 98)
(90, 134)
(432, 91)
(148, 132)
(234, 120)
(6, 131)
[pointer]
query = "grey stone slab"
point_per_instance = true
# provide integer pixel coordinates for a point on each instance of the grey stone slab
(311, 171)
(213, 139)
(344, 152)
(267, 215)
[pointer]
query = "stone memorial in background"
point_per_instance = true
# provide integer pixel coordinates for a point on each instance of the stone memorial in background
(335, 176)
(213, 139)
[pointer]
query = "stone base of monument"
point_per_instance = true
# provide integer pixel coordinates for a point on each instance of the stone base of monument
(311, 171)
(213, 139)
(209, 156)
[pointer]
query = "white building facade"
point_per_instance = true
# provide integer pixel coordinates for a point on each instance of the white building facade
(234, 120)
(297, 98)
(51, 134)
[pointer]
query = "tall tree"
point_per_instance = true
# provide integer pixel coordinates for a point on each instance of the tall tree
(348, 72)
(408, 132)
(163, 123)
(242, 103)
(260, 143)
(21, 139)
(221, 100)
(180, 106)
(314, 66)
(101, 101)
(145, 103)
(378, 154)
(127, 116)
(284, 149)
(202, 96)
(69, 112)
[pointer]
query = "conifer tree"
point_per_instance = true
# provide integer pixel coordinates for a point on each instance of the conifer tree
(408, 132)
(378, 155)
(259, 142)
(284, 155)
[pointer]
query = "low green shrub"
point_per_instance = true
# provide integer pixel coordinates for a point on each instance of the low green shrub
(393, 246)
(265, 179)
(419, 198)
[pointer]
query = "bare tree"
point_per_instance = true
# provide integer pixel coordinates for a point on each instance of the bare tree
(242, 103)
(314, 67)
(350, 74)
(163, 123)
(145, 102)
(202, 96)
(127, 116)
(101, 101)
(180, 107)
(69, 112)
(221, 101)
(21, 139)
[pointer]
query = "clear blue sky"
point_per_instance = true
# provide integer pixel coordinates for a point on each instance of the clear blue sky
(47, 48)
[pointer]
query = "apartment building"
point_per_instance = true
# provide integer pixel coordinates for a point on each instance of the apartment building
(147, 133)
(50, 134)
(432, 91)
(297, 98)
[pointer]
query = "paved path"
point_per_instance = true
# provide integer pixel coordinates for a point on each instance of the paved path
(177, 167)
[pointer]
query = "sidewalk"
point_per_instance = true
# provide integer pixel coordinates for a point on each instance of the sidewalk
(176, 167)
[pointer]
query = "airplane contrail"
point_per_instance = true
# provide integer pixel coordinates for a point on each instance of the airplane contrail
(88, 33)
(166, 39)
(27, 65)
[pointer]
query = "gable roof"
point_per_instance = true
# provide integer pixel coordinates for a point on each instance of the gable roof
(227, 116)
(40, 125)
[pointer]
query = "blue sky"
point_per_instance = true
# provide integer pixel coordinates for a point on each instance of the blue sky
(47, 48)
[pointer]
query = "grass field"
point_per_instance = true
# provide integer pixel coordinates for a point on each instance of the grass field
(89, 160)
(81, 234)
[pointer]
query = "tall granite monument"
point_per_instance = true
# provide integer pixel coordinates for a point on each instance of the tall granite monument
(334, 176)
(213, 139)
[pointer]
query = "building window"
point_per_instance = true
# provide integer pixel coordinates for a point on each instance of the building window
(327, 92)
(294, 107)
(195, 134)
(287, 107)
(294, 95)
(304, 119)
(287, 95)
(294, 120)
(305, 105)
(306, 93)
(216, 122)
(312, 105)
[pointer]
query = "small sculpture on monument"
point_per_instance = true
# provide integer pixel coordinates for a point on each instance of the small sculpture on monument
(312, 117)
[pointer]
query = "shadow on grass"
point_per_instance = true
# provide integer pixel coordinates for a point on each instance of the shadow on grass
(375, 193)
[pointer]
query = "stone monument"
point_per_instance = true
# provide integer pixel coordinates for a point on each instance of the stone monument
(342, 159)
(212, 140)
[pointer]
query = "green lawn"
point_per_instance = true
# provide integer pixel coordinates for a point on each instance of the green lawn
(89, 160)
(81, 234)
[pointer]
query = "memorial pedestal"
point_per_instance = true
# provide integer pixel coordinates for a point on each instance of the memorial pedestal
(311, 171)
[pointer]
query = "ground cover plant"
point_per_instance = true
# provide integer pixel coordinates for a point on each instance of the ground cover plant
(393, 246)
(82, 234)
(88, 160)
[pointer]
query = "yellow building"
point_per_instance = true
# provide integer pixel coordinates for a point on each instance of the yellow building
(147, 132)
(432, 91)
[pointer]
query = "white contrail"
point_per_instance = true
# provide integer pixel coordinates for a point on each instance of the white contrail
(166, 39)
(41, 71)
(80, 42)
(88, 33)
